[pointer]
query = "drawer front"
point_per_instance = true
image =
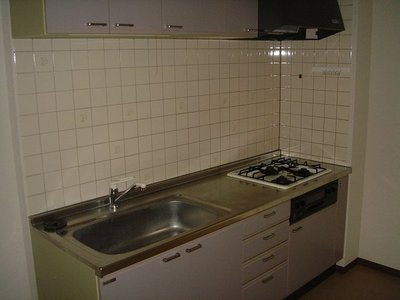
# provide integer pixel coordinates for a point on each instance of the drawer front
(265, 240)
(270, 285)
(264, 262)
(266, 218)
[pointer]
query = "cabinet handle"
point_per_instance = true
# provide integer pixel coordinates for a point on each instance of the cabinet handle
(95, 24)
(269, 236)
(173, 26)
(268, 279)
(297, 229)
(273, 213)
(197, 247)
(250, 30)
(268, 258)
(124, 25)
(109, 281)
(167, 259)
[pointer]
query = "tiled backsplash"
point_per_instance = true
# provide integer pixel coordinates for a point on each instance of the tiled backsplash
(96, 110)
(316, 101)
(93, 110)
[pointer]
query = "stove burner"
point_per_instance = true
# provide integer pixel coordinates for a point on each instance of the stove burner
(302, 172)
(269, 170)
(281, 172)
(284, 180)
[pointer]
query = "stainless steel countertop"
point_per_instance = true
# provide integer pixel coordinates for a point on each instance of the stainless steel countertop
(241, 199)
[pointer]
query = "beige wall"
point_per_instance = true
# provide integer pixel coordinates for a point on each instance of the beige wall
(379, 239)
(358, 133)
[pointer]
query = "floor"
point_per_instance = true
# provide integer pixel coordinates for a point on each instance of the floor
(359, 283)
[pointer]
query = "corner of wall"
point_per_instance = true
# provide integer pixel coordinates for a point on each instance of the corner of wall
(360, 96)
(17, 272)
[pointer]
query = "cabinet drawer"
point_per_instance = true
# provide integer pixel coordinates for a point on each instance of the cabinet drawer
(266, 218)
(264, 262)
(270, 285)
(265, 240)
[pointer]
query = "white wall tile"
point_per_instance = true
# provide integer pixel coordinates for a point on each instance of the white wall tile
(24, 62)
(53, 181)
(26, 84)
(51, 161)
(27, 104)
(70, 177)
(69, 158)
(80, 79)
(44, 82)
(72, 195)
(62, 61)
(29, 125)
(35, 184)
(103, 170)
(85, 155)
(41, 44)
(33, 165)
(84, 136)
(43, 61)
(67, 139)
(46, 102)
(113, 107)
(87, 173)
(101, 152)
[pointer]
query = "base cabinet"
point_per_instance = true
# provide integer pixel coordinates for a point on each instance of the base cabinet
(261, 257)
(264, 255)
(311, 247)
(206, 268)
(316, 242)
(271, 285)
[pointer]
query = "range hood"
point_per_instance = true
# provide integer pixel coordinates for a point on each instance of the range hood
(298, 19)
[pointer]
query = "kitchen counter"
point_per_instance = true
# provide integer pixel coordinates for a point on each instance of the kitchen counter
(240, 199)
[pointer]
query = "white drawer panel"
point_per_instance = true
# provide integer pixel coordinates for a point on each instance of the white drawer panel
(270, 285)
(264, 262)
(265, 240)
(266, 218)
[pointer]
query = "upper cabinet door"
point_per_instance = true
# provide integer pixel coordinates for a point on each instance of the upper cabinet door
(77, 16)
(202, 18)
(242, 18)
(135, 16)
(213, 16)
(181, 16)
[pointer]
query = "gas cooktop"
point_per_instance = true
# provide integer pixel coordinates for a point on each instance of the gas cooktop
(281, 172)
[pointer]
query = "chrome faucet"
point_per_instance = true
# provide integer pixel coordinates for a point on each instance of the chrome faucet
(115, 196)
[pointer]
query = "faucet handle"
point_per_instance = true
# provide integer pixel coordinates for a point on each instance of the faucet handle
(142, 186)
(114, 184)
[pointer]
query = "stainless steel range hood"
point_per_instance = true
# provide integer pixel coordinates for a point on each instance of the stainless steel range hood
(298, 19)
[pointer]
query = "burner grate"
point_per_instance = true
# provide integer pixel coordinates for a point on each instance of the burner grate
(280, 172)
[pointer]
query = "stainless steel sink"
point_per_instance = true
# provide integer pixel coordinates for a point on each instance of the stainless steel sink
(140, 227)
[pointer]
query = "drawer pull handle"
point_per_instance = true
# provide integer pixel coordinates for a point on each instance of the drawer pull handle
(190, 250)
(265, 238)
(251, 30)
(268, 279)
(124, 25)
(273, 213)
(297, 229)
(173, 26)
(175, 256)
(268, 258)
(95, 24)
